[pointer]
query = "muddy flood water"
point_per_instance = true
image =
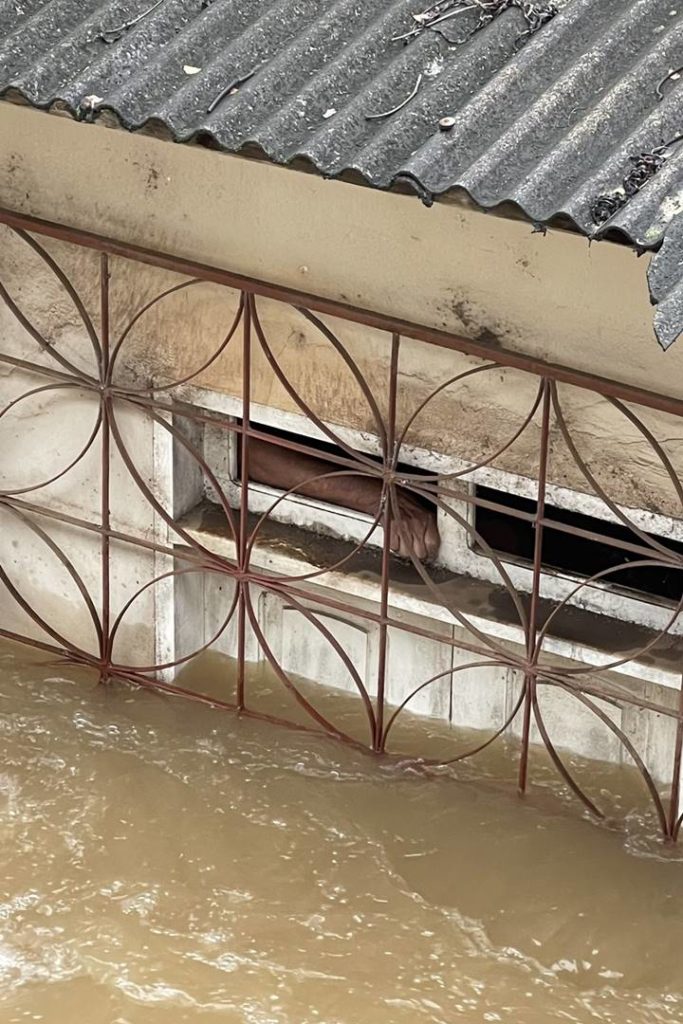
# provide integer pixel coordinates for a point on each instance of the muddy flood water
(164, 861)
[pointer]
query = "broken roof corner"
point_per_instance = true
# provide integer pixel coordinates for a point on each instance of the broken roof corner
(665, 279)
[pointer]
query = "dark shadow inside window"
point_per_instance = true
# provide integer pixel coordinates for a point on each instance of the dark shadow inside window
(581, 556)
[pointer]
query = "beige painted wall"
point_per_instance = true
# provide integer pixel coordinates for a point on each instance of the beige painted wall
(451, 267)
(448, 266)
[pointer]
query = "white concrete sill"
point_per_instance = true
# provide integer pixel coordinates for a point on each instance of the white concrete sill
(577, 635)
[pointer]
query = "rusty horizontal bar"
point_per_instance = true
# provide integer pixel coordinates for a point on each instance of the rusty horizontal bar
(391, 325)
(186, 555)
(235, 427)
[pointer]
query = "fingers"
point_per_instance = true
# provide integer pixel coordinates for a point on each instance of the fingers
(432, 538)
(415, 533)
(400, 544)
(403, 538)
(418, 539)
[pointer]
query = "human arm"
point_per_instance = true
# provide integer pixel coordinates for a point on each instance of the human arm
(309, 475)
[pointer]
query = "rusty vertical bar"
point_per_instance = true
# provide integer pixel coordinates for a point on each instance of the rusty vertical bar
(532, 627)
(105, 480)
(390, 460)
(244, 499)
(675, 800)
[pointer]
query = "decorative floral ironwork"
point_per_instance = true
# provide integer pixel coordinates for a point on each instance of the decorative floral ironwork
(164, 403)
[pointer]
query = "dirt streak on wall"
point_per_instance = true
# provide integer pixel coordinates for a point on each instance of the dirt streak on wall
(470, 419)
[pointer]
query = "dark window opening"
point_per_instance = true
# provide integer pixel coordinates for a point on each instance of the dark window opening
(581, 556)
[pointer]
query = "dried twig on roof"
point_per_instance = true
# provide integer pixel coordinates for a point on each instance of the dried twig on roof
(536, 13)
(399, 106)
(643, 169)
(672, 76)
(232, 86)
(111, 35)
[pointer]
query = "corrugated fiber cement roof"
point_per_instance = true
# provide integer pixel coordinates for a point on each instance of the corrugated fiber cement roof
(569, 110)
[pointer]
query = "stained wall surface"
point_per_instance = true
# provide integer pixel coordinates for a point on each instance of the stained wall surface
(552, 297)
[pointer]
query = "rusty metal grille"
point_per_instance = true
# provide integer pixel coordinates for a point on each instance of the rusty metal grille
(99, 286)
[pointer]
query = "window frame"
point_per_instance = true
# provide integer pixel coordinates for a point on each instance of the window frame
(458, 552)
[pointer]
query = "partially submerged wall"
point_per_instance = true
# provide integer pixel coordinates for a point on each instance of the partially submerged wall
(551, 297)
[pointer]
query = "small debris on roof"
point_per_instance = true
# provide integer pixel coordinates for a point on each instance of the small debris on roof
(644, 167)
(537, 13)
(87, 107)
(673, 76)
(435, 67)
(399, 106)
(431, 20)
(112, 35)
(233, 87)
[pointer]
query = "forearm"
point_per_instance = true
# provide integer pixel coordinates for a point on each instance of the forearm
(413, 532)
(308, 475)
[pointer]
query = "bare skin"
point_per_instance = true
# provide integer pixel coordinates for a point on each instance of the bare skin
(416, 535)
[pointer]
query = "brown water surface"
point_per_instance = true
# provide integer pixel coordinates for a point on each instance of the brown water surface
(163, 861)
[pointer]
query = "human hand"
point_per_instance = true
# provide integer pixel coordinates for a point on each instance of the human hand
(414, 532)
